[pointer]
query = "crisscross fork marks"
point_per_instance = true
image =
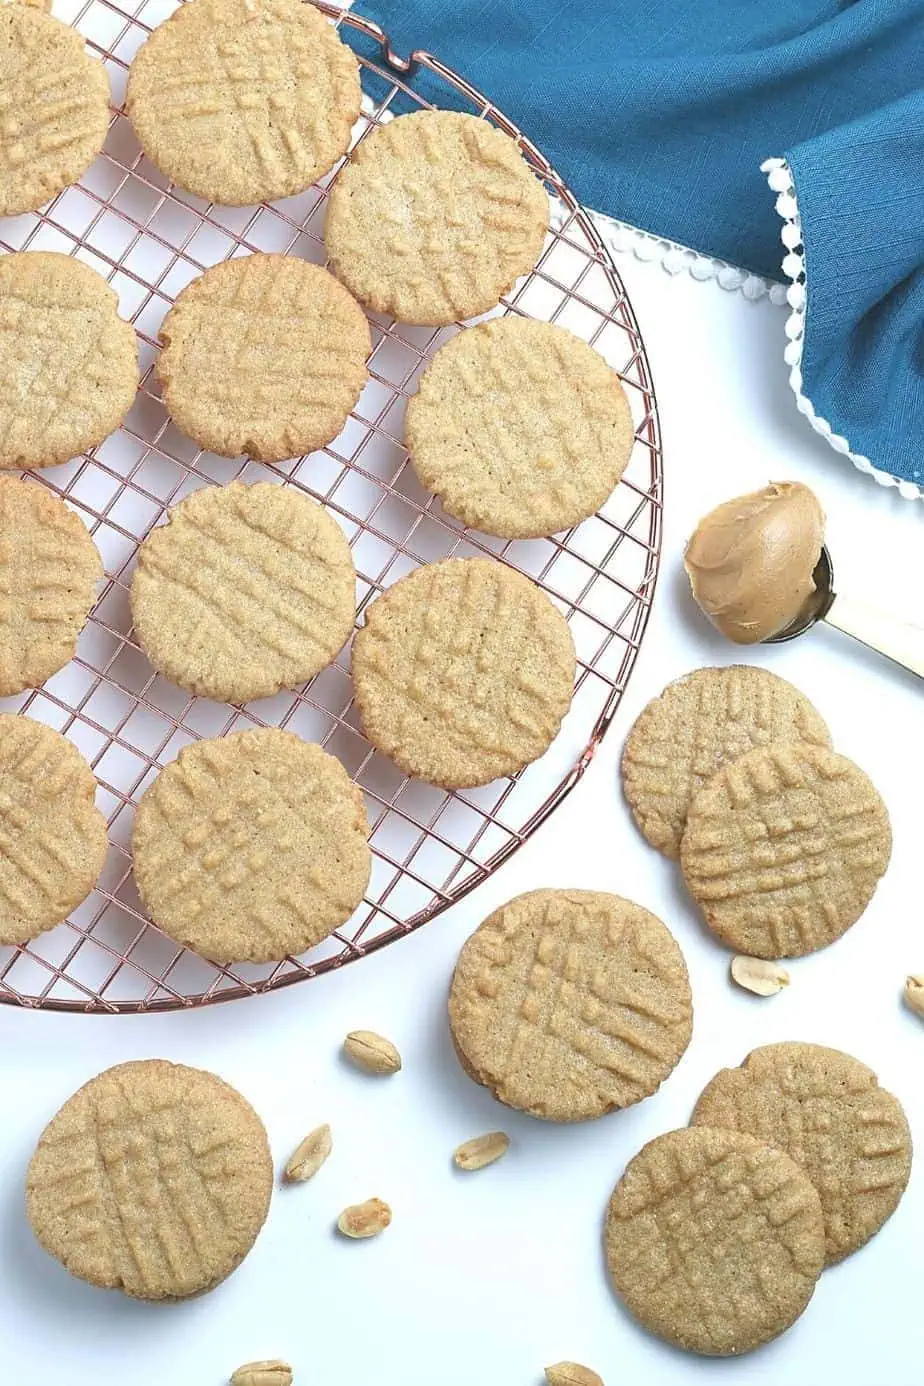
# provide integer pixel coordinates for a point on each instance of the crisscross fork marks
(463, 671)
(251, 846)
(714, 1240)
(247, 590)
(570, 1003)
(153, 1178)
(783, 848)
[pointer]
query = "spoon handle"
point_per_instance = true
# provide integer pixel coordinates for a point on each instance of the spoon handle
(897, 640)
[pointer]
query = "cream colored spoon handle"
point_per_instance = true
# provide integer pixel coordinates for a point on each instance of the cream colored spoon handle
(897, 640)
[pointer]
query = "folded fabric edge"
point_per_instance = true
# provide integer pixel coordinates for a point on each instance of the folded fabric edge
(780, 181)
(623, 238)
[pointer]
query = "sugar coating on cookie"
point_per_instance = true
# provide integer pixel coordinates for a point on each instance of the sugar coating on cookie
(54, 107)
(154, 1179)
(49, 567)
(783, 849)
(570, 1003)
(244, 101)
(713, 1240)
(251, 847)
(699, 722)
(264, 355)
(520, 428)
(827, 1111)
(435, 216)
(69, 368)
(54, 837)
(463, 672)
(245, 591)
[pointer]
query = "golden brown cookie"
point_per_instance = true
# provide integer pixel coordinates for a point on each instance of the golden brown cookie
(246, 590)
(153, 1178)
(434, 217)
(243, 101)
(714, 1241)
(570, 1003)
(54, 107)
(699, 722)
(33, 4)
(783, 849)
(463, 672)
(827, 1111)
(69, 364)
(251, 846)
(52, 835)
(265, 355)
(49, 568)
(519, 427)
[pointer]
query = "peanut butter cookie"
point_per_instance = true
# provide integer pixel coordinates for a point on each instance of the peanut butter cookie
(519, 427)
(827, 1111)
(570, 1003)
(434, 217)
(783, 849)
(153, 1178)
(69, 368)
(251, 846)
(52, 835)
(463, 672)
(698, 723)
(49, 568)
(246, 590)
(265, 355)
(54, 107)
(714, 1241)
(243, 101)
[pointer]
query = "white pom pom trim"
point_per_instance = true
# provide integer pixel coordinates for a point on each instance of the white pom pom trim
(780, 181)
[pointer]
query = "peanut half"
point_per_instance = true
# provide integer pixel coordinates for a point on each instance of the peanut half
(762, 977)
(364, 1219)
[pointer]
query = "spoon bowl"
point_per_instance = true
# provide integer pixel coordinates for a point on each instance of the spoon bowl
(816, 607)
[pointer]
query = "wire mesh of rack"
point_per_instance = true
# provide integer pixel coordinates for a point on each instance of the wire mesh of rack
(430, 846)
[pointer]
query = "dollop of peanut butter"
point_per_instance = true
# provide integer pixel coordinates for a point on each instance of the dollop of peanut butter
(750, 561)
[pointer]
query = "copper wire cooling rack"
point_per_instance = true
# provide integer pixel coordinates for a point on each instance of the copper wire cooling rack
(430, 847)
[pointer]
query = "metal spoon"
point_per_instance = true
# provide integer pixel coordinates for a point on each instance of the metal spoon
(897, 640)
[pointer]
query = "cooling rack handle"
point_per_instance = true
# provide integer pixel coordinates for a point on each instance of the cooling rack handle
(406, 66)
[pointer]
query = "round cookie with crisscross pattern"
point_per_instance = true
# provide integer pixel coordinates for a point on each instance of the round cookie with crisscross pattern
(49, 568)
(570, 1003)
(783, 849)
(519, 427)
(244, 101)
(434, 217)
(154, 1179)
(827, 1111)
(252, 846)
(245, 591)
(698, 723)
(463, 672)
(54, 107)
(68, 362)
(264, 355)
(714, 1241)
(52, 836)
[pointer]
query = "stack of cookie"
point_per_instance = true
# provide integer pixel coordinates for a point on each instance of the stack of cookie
(715, 1236)
(781, 840)
(569, 1004)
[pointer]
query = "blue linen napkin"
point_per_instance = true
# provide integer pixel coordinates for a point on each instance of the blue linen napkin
(661, 112)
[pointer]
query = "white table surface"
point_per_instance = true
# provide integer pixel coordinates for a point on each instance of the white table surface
(485, 1278)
